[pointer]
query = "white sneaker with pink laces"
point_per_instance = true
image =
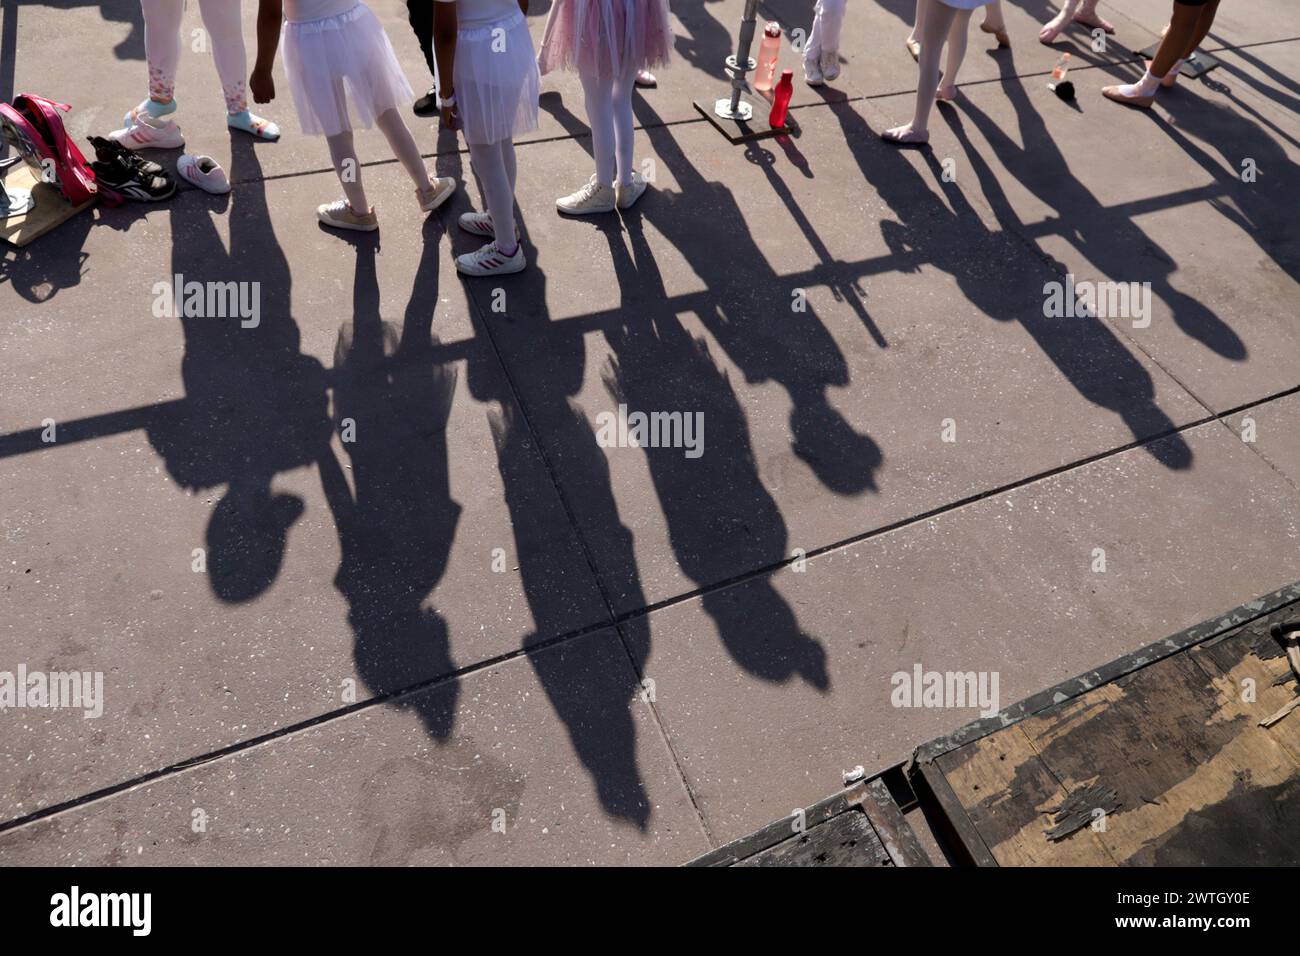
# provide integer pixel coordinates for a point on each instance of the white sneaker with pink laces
(491, 261)
(149, 134)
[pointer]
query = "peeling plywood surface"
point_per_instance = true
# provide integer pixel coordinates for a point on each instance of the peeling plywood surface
(1197, 780)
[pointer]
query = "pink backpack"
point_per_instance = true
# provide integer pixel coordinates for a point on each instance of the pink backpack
(32, 125)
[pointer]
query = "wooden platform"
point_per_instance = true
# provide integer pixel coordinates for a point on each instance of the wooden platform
(1164, 764)
(51, 208)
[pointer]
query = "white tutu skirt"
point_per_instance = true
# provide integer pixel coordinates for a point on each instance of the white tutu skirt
(342, 72)
(496, 81)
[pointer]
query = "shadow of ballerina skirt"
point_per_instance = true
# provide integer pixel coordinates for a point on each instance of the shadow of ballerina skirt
(496, 80)
(342, 72)
(606, 38)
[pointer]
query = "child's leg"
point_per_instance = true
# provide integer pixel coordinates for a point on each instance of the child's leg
(934, 18)
(508, 156)
(402, 143)
(348, 168)
(491, 166)
(221, 18)
(1203, 26)
(812, 47)
(831, 17)
(600, 117)
(162, 50)
(624, 125)
(994, 22)
(1089, 17)
(957, 37)
(1178, 42)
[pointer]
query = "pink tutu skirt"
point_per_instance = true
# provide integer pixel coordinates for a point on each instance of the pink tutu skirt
(606, 38)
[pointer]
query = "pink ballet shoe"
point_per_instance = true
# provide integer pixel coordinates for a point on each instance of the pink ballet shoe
(905, 136)
(1116, 93)
(913, 47)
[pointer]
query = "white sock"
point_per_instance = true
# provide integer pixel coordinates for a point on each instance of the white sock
(1146, 86)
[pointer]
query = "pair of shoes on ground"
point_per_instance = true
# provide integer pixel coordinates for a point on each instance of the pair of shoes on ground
(340, 215)
(824, 69)
(595, 198)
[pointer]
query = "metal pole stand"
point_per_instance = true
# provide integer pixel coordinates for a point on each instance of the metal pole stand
(731, 115)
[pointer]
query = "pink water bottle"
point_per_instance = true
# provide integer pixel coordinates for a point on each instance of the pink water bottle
(781, 100)
(768, 51)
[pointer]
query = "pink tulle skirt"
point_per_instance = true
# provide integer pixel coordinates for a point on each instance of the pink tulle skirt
(606, 37)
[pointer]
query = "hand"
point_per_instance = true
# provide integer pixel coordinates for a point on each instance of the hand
(262, 85)
(449, 117)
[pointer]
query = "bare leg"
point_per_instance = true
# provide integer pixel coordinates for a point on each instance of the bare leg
(935, 19)
(958, 34)
(995, 23)
(913, 42)
(1182, 38)
(1204, 22)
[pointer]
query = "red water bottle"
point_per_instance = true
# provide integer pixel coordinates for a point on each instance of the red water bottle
(781, 100)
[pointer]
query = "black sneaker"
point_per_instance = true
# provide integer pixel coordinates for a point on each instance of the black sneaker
(427, 105)
(131, 182)
(107, 151)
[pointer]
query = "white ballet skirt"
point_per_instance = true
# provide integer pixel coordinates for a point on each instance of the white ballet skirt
(496, 80)
(342, 71)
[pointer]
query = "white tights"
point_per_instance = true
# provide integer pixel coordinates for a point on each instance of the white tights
(344, 156)
(494, 163)
(162, 45)
(609, 113)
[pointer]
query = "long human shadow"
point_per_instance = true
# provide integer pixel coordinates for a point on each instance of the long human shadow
(1109, 240)
(995, 272)
(254, 405)
(1264, 207)
(721, 518)
(596, 711)
(391, 403)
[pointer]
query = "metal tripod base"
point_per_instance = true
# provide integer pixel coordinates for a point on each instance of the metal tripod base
(742, 114)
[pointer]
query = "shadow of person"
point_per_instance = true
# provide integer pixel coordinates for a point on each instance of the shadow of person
(254, 404)
(391, 403)
(1113, 242)
(1262, 206)
(720, 516)
(998, 277)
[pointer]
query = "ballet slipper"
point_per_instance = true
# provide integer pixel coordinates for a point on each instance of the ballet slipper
(946, 94)
(913, 47)
(1004, 39)
(905, 136)
(1115, 93)
(1094, 22)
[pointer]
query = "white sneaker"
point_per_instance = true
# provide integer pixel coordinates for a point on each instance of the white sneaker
(340, 215)
(812, 73)
(590, 200)
(491, 261)
(830, 65)
(204, 172)
(443, 189)
(626, 196)
(149, 134)
(480, 224)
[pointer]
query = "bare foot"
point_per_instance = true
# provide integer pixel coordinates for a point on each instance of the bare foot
(1092, 20)
(904, 135)
(946, 94)
(913, 47)
(1004, 39)
(1052, 28)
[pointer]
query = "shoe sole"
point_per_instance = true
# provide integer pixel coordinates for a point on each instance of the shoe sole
(350, 226)
(503, 271)
(586, 212)
(1137, 102)
(438, 202)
